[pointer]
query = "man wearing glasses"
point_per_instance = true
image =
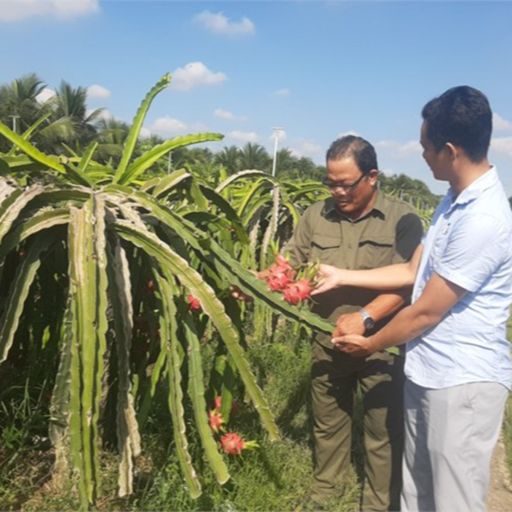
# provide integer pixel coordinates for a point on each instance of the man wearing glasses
(358, 227)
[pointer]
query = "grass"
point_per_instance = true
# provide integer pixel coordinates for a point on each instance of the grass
(275, 476)
(507, 422)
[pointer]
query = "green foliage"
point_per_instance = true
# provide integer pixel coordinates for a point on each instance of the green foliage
(282, 469)
(98, 251)
(106, 239)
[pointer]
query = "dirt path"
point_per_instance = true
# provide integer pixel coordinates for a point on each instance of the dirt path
(500, 489)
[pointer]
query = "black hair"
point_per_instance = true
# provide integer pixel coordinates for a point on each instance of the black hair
(356, 147)
(462, 116)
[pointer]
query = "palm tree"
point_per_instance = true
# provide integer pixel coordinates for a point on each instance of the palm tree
(19, 107)
(254, 156)
(70, 121)
(111, 137)
(285, 161)
(229, 158)
(18, 101)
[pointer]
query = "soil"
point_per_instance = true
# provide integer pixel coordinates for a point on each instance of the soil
(499, 498)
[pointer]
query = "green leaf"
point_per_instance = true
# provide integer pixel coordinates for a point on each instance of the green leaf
(128, 437)
(133, 134)
(163, 185)
(212, 306)
(173, 352)
(88, 288)
(30, 130)
(146, 160)
(18, 293)
(12, 206)
(251, 285)
(197, 392)
(239, 175)
(31, 150)
(87, 157)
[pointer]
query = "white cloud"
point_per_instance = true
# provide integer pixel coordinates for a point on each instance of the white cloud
(15, 10)
(499, 123)
(307, 148)
(194, 74)
(243, 136)
(400, 149)
(223, 114)
(97, 91)
(282, 92)
(45, 94)
(502, 145)
(218, 23)
(227, 115)
(167, 126)
(144, 133)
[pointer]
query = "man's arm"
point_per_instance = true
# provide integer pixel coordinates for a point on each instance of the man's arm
(391, 277)
(438, 297)
(379, 308)
(408, 235)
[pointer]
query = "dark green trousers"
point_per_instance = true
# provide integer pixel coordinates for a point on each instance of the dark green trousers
(335, 378)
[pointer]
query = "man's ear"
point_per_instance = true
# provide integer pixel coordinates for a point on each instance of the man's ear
(452, 150)
(373, 176)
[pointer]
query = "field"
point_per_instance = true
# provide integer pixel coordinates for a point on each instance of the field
(132, 319)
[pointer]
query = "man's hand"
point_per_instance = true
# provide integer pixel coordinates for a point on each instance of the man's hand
(354, 345)
(327, 278)
(350, 323)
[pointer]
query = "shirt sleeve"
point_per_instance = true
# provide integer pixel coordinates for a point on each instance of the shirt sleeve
(474, 250)
(409, 233)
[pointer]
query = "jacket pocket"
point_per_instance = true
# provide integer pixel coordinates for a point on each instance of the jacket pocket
(325, 249)
(376, 252)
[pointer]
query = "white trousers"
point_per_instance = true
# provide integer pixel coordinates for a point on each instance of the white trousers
(450, 435)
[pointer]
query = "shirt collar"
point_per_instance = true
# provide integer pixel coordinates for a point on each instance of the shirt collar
(475, 189)
(378, 209)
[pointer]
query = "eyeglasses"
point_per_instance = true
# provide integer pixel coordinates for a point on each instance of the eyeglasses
(347, 187)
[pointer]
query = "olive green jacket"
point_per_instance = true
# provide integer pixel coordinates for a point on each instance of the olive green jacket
(388, 234)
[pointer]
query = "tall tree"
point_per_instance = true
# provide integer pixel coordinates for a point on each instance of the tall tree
(19, 107)
(70, 122)
(111, 137)
(229, 158)
(254, 156)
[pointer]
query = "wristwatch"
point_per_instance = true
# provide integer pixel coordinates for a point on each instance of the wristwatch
(368, 321)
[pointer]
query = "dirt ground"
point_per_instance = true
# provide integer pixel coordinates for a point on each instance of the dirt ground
(500, 489)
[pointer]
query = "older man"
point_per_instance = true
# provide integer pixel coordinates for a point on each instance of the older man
(358, 227)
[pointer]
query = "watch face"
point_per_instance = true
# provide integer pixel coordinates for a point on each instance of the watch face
(369, 323)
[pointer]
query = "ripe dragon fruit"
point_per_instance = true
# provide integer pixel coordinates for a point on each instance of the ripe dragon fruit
(193, 303)
(232, 443)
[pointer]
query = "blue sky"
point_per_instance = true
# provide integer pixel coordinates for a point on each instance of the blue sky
(317, 69)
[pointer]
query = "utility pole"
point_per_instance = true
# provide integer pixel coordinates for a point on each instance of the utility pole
(275, 134)
(14, 117)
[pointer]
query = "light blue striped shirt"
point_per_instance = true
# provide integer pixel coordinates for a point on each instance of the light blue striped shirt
(469, 243)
